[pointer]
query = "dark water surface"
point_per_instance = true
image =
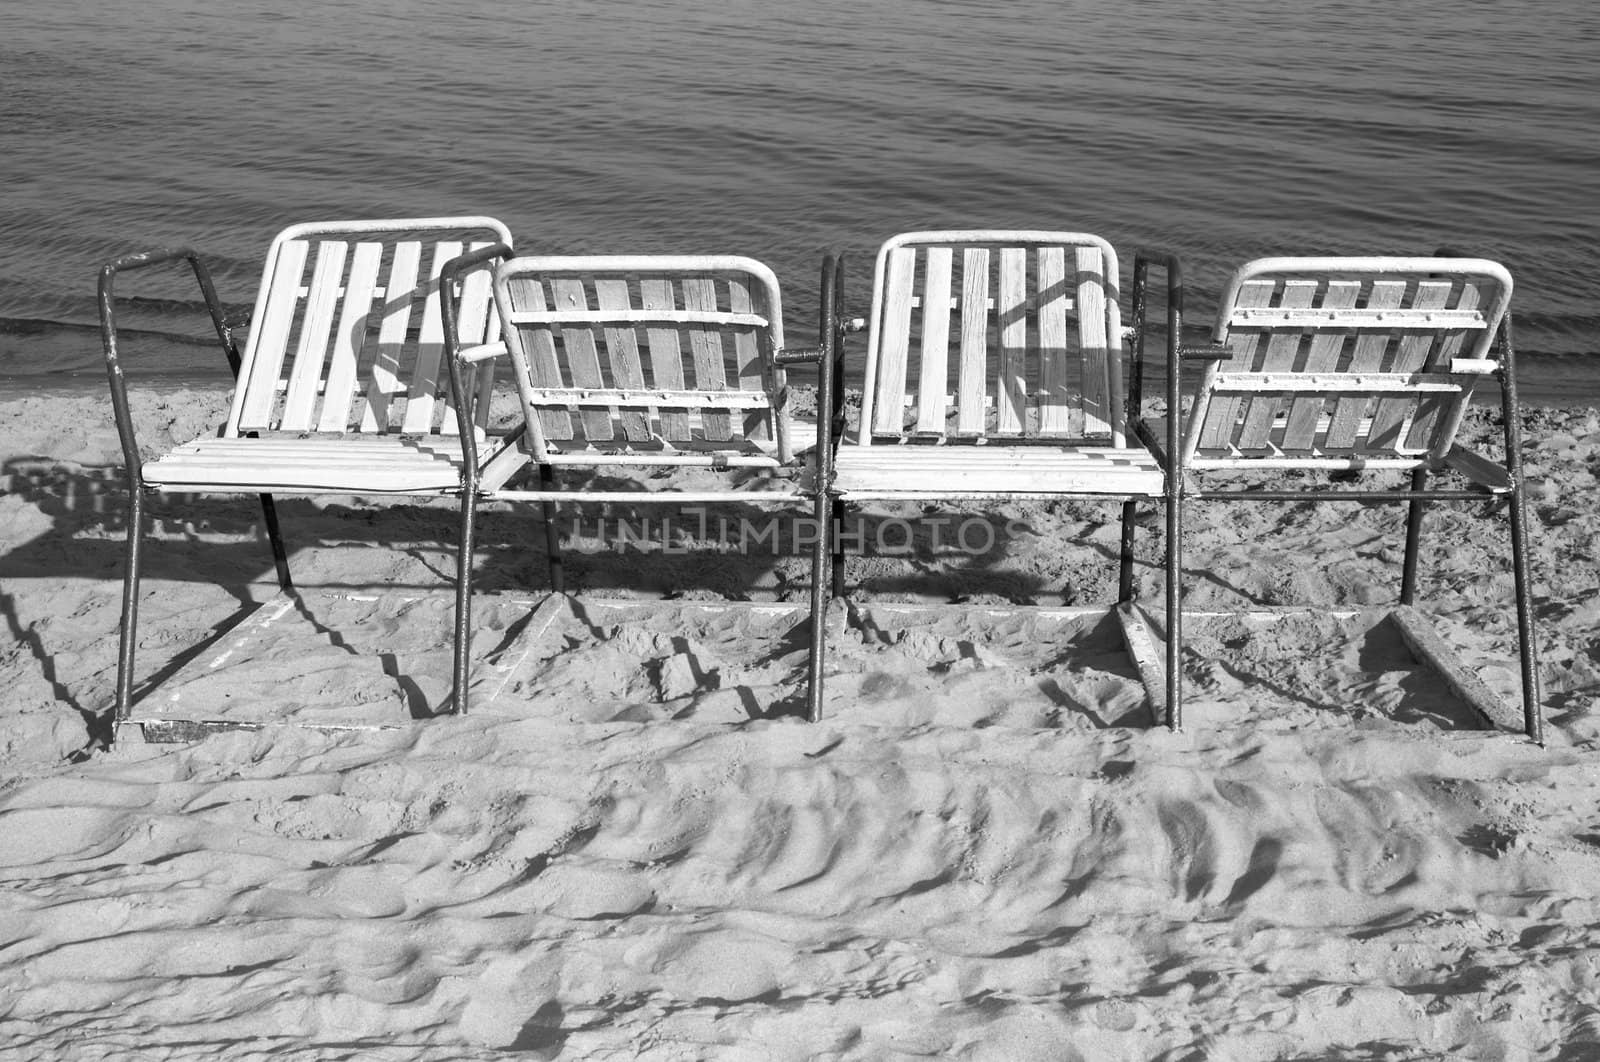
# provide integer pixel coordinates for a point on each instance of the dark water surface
(1222, 131)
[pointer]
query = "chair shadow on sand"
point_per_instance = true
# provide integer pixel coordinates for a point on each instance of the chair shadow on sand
(218, 542)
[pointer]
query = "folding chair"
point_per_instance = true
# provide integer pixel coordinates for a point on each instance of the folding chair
(1361, 365)
(342, 388)
(651, 363)
(994, 370)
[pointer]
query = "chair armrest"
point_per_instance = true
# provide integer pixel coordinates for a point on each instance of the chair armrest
(1208, 352)
(483, 352)
(1144, 259)
(108, 334)
(460, 398)
(799, 356)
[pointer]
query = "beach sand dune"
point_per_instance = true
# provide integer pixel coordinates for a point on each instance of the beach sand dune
(634, 849)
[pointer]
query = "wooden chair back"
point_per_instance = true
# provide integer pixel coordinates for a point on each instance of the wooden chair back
(347, 334)
(1346, 362)
(647, 358)
(994, 335)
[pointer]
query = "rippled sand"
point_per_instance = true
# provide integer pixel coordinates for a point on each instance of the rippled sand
(631, 850)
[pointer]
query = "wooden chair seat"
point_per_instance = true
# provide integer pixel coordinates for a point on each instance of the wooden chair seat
(913, 471)
(381, 465)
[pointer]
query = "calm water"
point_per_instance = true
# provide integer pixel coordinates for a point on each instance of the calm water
(1222, 131)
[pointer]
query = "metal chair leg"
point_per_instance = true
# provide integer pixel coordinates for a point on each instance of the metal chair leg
(552, 534)
(1408, 576)
(835, 527)
(130, 603)
(819, 609)
(1125, 566)
(280, 556)
(1532, 704)
(463, 627)
(1174, 608)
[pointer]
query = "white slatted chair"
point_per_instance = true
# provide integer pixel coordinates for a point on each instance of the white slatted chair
(342, 388)
(652, 362)
(994, 369)
(1353, 364)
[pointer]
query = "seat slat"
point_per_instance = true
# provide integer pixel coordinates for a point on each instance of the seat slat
(705, 346)
(1430, 410)
(622, 350)
(939, 471)
(474, 313)
(583, 359)
(1216, 431)
(972, 376)
(888, 411)
(1055, 399)
(1258, 414)
(748, 357)
(1100, 376)
(1390, 415)
(395, 324)
(351, 338)
(933, 372)
(539, 361)
(268, 348)
(1011, 394)
(1349, 413)
(422, 394)
(1304, 413)
(666, 355)
(316, 328)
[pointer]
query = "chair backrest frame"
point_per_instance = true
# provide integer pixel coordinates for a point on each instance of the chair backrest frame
(343, 348)
(1396, 345)
(708, 388)
(1005, 334)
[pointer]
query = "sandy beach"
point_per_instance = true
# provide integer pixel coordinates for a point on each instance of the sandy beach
(633, 848)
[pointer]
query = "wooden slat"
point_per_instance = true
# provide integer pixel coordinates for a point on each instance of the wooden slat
(1097, 390)
(422, 396)
(538, 344)
(1393, 320)
(666, 398)
(933, 373)
(316, 327)
(634, 316)
(1345, 421)
(474, 311)
(705, 346)
(622, 351)
(894, 341)
(269, 347)
(972, 377)
(583, 360)
(666, 356)
(1431, 410)
(1432, 651)
(1391, 413)
(1147, 658)
(351, 337)
(1055, 400)
(1221, 413)
(1282, 346)
(754, 374)
(1011, 390)
(394, 326)
(931, 471)
(1304, 413)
